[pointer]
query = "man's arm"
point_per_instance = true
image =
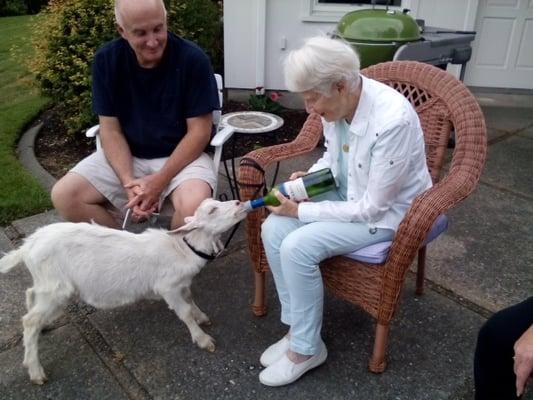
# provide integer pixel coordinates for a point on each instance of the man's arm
(116, 148)
(118, 154)
(189, 149)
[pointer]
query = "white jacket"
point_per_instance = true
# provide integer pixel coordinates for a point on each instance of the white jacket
(386, 166)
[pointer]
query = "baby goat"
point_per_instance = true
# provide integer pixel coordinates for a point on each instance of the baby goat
(109, 268)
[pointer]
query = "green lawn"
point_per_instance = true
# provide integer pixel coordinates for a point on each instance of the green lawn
(20, 194)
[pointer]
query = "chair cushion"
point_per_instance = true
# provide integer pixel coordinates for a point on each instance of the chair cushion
(377, 253)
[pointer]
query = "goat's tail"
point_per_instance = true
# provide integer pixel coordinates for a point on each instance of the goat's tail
(11, 260)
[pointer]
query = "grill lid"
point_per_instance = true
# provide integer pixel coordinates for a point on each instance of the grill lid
(374, 25)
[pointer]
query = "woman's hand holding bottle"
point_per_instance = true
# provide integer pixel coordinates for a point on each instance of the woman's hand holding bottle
(300, 187)
(287, 207)
(297, 174)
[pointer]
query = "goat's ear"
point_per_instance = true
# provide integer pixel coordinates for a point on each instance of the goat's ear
(218, 246)
(190, 224)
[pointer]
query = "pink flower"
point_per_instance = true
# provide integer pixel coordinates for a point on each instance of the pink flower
(275, 96)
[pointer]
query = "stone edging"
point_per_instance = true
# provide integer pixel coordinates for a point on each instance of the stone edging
(26, 156)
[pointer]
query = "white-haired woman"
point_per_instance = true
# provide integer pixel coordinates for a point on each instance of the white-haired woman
(375, 149)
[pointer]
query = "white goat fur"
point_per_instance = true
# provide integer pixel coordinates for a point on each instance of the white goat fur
(108, 268)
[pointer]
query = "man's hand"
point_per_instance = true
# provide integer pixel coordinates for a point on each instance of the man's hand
(287, 207)
(523, 360)
(146, 194)
(138, 215)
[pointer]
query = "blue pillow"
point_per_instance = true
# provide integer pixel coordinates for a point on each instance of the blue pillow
(377, 253)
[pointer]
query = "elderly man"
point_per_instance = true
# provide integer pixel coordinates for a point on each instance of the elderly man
(154, 93)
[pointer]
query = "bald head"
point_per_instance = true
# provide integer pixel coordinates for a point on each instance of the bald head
(127, 10)
(143, 24)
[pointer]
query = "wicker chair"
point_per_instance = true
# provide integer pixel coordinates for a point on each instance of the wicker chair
(442, 102)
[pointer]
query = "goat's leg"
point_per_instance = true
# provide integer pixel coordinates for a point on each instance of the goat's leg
(30, 299)
(45, 308)
(197, 314)
(183, 310)
(32, 330)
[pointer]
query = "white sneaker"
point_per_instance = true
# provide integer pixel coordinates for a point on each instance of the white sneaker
(274, 352)
(284, 371)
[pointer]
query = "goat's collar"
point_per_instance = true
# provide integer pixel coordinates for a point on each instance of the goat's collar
(200, 253)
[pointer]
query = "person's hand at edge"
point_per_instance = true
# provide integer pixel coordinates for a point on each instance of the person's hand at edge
(523, 360)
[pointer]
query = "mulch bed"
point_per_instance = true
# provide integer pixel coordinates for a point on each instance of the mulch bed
(57, 152)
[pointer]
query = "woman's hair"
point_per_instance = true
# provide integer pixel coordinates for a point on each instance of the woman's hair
(319, 64)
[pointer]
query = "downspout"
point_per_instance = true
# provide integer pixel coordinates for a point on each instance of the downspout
(260, 46)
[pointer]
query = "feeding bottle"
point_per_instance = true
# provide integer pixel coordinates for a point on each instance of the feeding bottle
(302, 188)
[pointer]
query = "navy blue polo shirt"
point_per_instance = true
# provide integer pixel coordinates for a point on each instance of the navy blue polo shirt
(152, 104)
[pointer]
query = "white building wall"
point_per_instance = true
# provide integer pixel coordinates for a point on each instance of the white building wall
(289, 22)
(240, 31)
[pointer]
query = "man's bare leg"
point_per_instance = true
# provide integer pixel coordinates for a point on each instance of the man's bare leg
(77, 200)
(186, 198)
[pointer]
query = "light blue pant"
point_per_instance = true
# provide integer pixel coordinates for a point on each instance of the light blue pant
(294, 249)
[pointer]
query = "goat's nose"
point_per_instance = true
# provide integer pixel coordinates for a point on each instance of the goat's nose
(238, 202)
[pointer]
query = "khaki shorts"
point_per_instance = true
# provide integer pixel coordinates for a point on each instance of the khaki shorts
(96, 169)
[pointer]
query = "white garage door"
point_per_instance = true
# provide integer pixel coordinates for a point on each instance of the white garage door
(503, 49)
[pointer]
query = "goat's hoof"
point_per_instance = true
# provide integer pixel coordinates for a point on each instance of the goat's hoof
(206, 322)
(39, 380)
(207, 343)
(37, 375)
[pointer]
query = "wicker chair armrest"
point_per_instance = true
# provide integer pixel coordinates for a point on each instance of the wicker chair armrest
(415, 226)
(461, 180)
(464, 173)
(410, 236)
(424, 211)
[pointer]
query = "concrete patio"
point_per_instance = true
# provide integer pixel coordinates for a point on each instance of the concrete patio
(482, 263)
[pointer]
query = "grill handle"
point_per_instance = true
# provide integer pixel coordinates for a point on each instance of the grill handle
(458, 32)
(374, 2)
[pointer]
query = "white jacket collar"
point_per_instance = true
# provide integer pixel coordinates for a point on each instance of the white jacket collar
(364, 108)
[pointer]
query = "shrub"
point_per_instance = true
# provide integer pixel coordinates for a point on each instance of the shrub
(20, 7)
(12, 7)
(71, 32)
(201, 22)
(34, 6)
(66, 40)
